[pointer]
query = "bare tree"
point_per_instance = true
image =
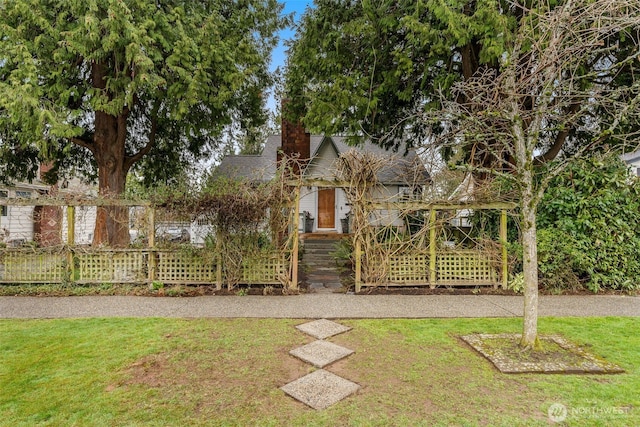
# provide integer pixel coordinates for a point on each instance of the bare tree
(554, 94)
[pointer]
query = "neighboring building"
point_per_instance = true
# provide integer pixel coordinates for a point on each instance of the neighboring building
(402, 176)
(85, 222)
(17, 223)
(45, 225)
(633, 161)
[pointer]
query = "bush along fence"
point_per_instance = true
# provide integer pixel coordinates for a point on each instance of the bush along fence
(256, 249)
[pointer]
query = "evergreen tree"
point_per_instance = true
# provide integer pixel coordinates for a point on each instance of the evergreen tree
(97, 85)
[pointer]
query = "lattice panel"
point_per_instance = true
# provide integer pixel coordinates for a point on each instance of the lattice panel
(184, 267)
(129, 267)
(39, 267)
(264, 270)
(465, 267)
(111, 266)
(409, 269)
(95, 266)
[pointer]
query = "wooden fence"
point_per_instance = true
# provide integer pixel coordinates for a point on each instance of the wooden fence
(432, 265)
(452, 268)
(70, 263)
(437, 265)
(83, 266)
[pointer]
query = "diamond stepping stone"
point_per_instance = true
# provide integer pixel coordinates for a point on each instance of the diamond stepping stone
(322, 328)
(321, 353)
(320, 389)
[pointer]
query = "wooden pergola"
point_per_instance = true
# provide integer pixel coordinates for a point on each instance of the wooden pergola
(414, 205)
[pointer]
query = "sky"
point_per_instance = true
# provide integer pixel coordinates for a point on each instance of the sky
(279, 56)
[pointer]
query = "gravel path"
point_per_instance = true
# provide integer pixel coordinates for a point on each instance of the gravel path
(315, 306)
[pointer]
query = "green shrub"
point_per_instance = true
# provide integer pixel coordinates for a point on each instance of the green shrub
(343, 252)
(557, 266)
(516, 283)
(589, 227)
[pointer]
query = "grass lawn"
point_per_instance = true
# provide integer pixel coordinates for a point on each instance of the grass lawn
(228, 372)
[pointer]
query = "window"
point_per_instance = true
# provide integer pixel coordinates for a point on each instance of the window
(203, 222)
(3, 195)
(638, 172)
(409, 193)
(23, 194)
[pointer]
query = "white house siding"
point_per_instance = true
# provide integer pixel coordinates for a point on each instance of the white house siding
(200, 230)
(322, 165)
(309, 203)
(85, 221)
(309, 200)
(388, 193)
(342, 208)
(17, 225)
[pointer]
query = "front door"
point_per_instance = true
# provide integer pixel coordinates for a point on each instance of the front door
(327, 208)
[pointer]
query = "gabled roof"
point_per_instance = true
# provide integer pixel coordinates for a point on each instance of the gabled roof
(254, 167)
(465, 191)
(262, 167)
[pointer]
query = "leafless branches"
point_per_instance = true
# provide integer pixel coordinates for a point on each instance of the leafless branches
(567, 85)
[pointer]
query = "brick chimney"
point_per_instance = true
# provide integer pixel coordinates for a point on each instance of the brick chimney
(295, 143)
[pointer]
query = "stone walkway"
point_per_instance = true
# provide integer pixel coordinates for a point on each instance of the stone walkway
(322, 271)
(321, 388)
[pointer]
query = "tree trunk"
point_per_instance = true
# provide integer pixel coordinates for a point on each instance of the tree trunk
(529, 203)
(112, 222)
(530, 270)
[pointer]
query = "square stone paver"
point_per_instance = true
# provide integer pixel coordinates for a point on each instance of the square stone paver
(569, 359)
(320, 389)
(322, 328)
(320, 353)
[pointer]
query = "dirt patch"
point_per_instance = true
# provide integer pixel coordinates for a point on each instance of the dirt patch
(149, 371)
(473, 290)
(425, 290)
(213, 372)
(294, 368)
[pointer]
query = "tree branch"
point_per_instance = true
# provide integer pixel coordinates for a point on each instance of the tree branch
(560, 139)
(131, 160)
(83, 141)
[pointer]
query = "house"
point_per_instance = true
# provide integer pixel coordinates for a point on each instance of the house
(43, 224)
(463, 193)
(402, 176)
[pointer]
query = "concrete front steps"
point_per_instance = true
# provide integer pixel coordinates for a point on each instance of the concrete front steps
(322, 271)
